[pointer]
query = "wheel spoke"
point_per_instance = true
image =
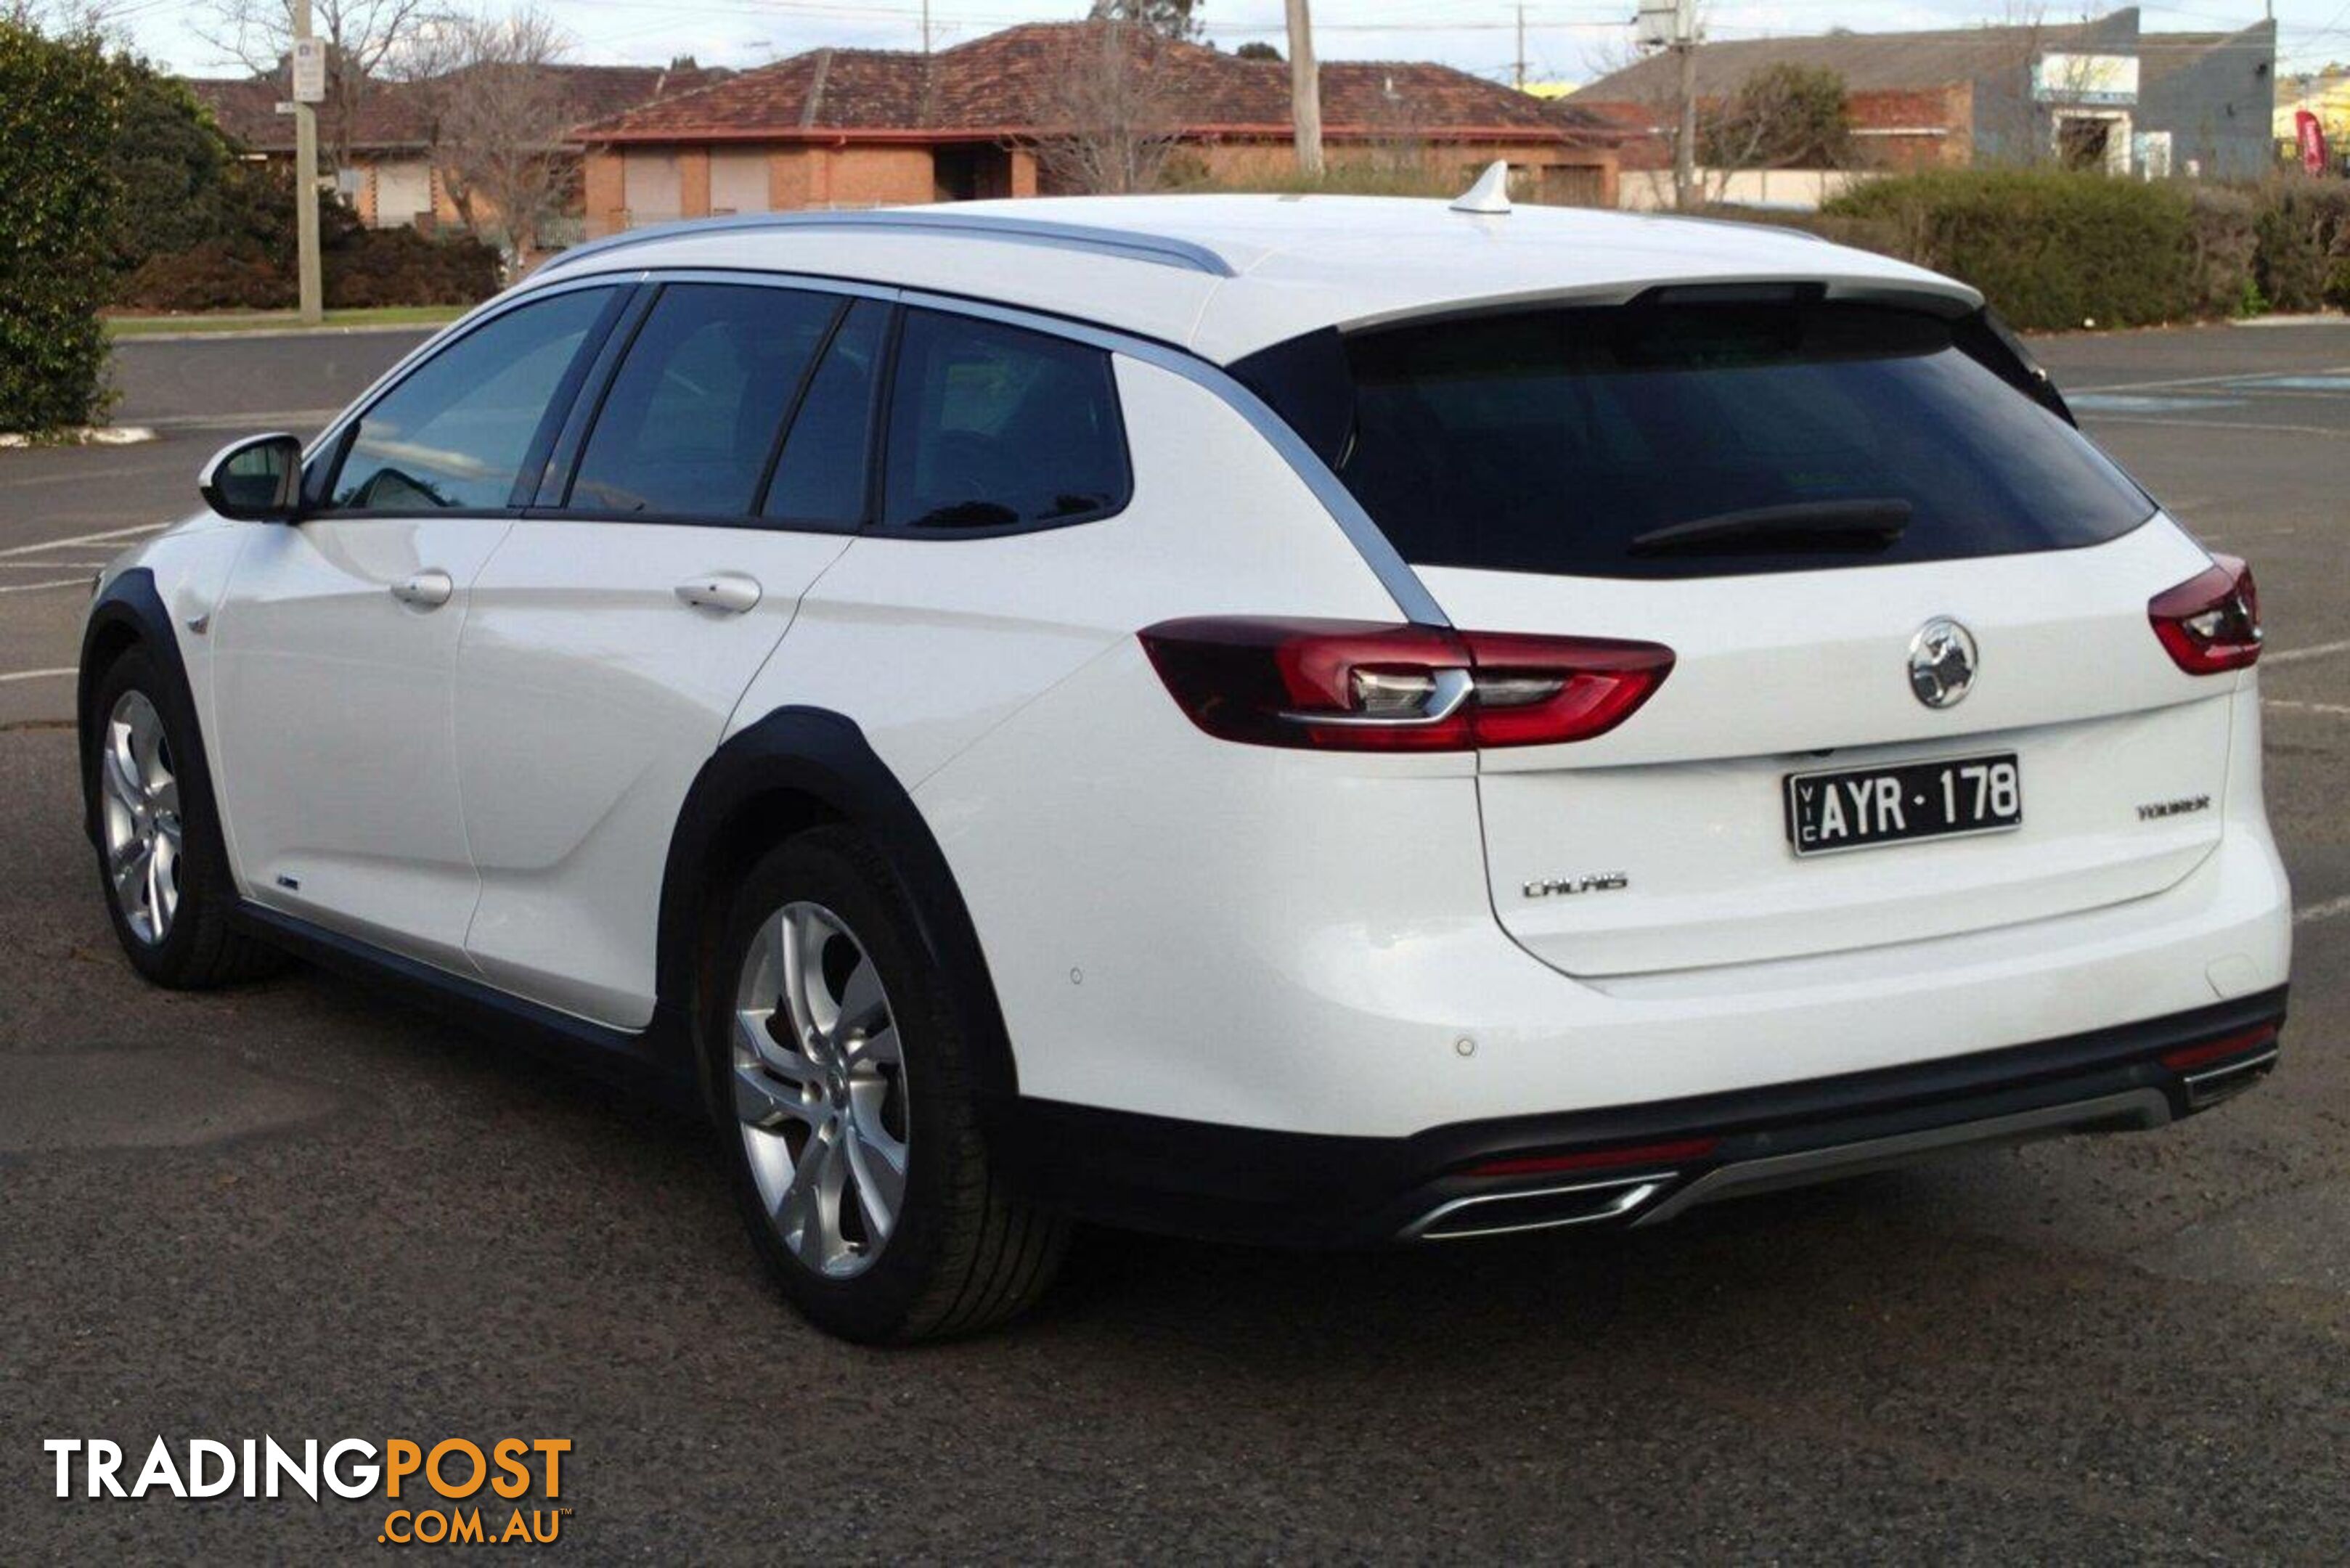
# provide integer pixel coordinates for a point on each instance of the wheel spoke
(863, 1007)
(878, 1049)
(162, 882)
(879, 1163)
(130, 873)
(164, 797)
(764, 1103)
(146, 742)
(753, 1035)
(808, 1214)
(801, 939)
(120, 773)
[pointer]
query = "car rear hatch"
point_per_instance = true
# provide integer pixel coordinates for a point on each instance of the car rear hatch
(1915, 691)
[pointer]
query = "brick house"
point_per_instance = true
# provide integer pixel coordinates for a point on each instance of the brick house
(843, 128)
(2096, 93)
(389, 177)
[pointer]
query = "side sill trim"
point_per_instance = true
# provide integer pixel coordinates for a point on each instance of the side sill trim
(646, 1061)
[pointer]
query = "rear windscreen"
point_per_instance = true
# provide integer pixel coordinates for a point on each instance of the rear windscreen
(1641, 440)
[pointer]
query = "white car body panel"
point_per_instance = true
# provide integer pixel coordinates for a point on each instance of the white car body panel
(1801, 672)
(333, 753)
(587, 696)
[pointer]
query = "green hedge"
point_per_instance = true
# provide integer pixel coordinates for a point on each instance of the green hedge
(251, 267)
(2048, 248)
(2052, 250)
(59, 104)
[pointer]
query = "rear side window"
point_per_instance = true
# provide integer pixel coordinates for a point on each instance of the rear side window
(697, 405)
(455, 433)
(1616, 441)
(995, 427)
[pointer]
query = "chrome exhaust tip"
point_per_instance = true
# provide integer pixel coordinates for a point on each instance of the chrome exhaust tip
(1537, 1209)
(2207, 1088)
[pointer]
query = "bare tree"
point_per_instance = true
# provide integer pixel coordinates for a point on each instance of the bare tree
(499, 113)
(363, 38)
(1109, 119)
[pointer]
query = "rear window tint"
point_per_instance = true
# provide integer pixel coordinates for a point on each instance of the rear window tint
(996, 427)
(1552, 440)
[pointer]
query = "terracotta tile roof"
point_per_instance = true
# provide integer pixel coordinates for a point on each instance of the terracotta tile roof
(1003, 84)
(393, 115)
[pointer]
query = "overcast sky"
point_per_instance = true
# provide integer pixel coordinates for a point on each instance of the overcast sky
(1565, 40)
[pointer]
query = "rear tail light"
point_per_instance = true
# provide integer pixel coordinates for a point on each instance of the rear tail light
(1365, 686)
(2211, 622)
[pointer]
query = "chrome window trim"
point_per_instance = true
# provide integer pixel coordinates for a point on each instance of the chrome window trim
(1411, 596)
(1158, 250)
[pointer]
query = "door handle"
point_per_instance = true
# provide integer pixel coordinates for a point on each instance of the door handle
(425, 590)
(731, 592)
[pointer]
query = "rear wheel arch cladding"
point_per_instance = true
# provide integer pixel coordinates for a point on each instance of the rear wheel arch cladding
(816, 767)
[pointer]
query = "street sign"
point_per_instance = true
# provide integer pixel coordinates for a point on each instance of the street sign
(309, 70)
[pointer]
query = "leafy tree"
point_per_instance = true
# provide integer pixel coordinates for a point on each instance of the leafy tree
(1257, 50)
(60, 103)
(1168, 18)
(1785, 116)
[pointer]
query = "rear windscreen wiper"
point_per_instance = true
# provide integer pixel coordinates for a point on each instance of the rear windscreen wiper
(1859, 525)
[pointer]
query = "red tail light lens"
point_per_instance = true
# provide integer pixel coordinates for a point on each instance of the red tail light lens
(1365, 686)
(2211, 622)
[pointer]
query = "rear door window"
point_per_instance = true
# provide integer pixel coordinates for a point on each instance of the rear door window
(1615, 441)
(695, 410)
(993, 427)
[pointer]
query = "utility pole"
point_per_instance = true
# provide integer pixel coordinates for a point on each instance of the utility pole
(1304, 91)
(1518, 66)
(309, 85)
(926, 27)
(1684, 45)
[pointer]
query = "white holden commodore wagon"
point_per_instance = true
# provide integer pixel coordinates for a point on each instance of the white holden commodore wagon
(1321, 722)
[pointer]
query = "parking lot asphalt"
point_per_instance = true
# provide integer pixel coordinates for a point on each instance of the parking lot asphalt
(300, 1210)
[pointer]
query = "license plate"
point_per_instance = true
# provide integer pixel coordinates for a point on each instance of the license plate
(1860, 808)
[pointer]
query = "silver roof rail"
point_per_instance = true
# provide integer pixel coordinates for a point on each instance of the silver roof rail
(1158, 249)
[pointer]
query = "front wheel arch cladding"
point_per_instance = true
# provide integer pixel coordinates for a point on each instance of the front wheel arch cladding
(129, 613)
(816, 756)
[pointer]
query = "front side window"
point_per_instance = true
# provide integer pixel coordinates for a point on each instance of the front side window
(455, 433)
(695, 410)
(996, 427)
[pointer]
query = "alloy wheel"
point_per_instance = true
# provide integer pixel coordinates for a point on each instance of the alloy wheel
(141, 804)
(820, 1089)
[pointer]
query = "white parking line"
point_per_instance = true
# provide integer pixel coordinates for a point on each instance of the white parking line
(111, 535)
(34, 674)
(2330, 910)
(45, 587)
(2334, 710)
(2096, 418)
(2315, 651)
(49, 565)
(2250, 376)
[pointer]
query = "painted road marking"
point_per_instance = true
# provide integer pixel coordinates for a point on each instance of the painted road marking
(2332, 908)
(35, 674)
(2333, 710)
(111, 535)
(2135, 403)
(2295, 655)
(45, 587)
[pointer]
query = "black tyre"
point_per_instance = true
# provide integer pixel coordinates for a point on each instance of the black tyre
(854, 1142)
(160, 860)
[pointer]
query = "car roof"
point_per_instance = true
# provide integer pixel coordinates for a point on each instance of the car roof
(1224, 276)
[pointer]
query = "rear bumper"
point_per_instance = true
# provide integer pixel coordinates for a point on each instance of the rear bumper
(1625, 1165)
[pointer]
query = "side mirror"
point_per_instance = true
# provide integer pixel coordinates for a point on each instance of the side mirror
(256, 480)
